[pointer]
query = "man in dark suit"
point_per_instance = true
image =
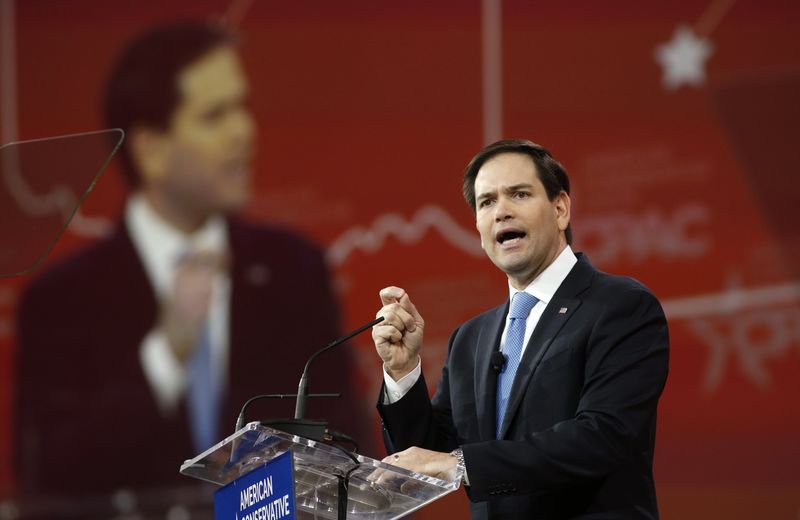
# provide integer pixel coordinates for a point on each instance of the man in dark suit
(136, 353)
(547, 403)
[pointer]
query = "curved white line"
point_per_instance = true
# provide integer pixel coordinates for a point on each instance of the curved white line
(371, 239)
(731, 300)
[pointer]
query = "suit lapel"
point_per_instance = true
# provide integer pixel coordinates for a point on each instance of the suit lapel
(488, 342)
(138, 288)
(558, 311)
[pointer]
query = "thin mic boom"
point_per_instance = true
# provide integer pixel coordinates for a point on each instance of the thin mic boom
(302, 387)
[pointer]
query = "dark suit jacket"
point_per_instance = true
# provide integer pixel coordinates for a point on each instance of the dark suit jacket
(578, 435)
(87, 421)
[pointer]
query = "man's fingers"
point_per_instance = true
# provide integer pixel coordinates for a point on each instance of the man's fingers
(395, 315)
(436, 464)
(406, 303)
(391, 295)
(399, 296)
(386, 334)
(395, 459)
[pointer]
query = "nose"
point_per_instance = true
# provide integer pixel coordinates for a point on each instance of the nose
(243, 126)
(502, 210)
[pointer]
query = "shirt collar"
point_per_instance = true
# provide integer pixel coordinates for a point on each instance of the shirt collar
(547, 283)
(160, 244)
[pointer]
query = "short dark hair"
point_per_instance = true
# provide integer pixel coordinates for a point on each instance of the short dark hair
(550, 172)
(142, 88)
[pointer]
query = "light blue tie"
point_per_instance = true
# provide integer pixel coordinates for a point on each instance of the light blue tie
(521, 305)
(204, 394)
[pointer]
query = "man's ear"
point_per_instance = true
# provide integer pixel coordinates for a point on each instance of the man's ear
(561, 206)
(480, 236)
(149, 150)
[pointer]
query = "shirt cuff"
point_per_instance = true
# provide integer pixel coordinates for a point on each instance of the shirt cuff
(165, 374)
(395, 390)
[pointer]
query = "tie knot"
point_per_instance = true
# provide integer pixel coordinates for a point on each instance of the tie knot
(521, 305)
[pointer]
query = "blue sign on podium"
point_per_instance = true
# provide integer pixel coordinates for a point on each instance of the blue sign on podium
(266, 493)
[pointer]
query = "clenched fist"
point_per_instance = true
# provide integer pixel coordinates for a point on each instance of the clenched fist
(398, 338)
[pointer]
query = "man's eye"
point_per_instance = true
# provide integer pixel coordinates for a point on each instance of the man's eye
(484, 203)
(521, 194)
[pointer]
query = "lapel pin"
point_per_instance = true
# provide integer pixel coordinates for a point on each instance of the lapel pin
(562, 310)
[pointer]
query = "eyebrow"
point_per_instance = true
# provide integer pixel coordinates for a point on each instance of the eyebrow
(515, 187)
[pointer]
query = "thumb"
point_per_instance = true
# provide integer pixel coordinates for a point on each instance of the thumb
(391, 295)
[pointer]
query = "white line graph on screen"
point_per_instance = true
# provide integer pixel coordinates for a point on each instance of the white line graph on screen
(607, 238)
(371, 239)
(748, 326)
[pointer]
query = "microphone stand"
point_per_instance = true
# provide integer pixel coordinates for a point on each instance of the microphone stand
(309, 428)
(302, 387)
(299, 425)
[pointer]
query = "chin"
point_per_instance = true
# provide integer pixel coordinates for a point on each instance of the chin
(512, 262)
(511, 269)
(518, 268)
(225, 207)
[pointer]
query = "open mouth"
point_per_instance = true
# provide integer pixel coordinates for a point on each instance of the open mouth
(510, 236)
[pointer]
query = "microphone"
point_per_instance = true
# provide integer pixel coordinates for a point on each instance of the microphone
(498, 361)
(302, 387)
(311, 429)
(298, 426)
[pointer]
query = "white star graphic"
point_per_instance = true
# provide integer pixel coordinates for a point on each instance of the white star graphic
(683, 58)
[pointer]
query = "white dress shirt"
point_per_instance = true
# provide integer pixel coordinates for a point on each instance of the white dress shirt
(160, 247)
(543, 288)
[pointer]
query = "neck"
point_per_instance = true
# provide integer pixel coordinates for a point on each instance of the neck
(523, 280)
(181, 218)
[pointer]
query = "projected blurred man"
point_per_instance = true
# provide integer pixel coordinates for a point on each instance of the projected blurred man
(548, 401)
(136, 353)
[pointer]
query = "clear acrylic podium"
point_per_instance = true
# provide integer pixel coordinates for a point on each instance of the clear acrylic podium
(376, 490)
